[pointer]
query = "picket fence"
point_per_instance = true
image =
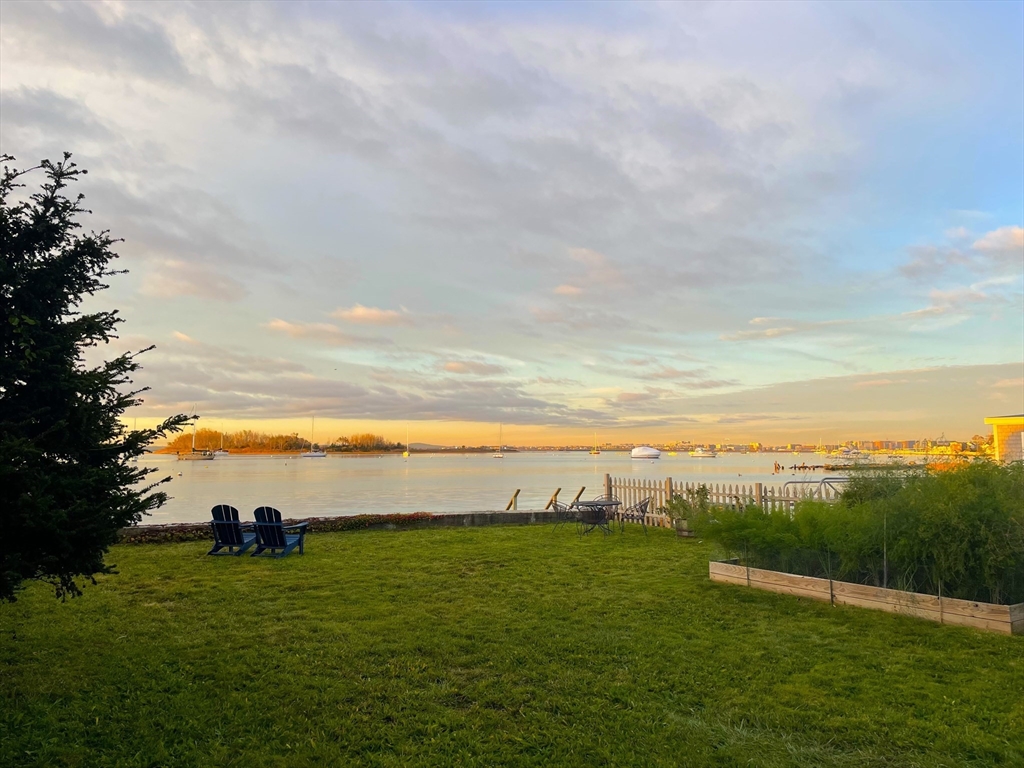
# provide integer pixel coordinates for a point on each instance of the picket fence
(631, 490)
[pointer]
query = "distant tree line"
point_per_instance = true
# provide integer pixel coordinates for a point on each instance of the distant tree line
(250, 441)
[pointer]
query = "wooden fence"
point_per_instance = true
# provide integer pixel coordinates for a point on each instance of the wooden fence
(1005, 619)
(630, 490)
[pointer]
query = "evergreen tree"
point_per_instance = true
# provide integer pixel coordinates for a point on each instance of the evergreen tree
(67, 482)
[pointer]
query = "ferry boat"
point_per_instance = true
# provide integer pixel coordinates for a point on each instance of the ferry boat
(645, 452)
(703, 453)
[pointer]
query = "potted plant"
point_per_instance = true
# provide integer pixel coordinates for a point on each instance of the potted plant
(682, 508)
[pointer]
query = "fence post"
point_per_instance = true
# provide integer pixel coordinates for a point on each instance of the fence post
(607, 485)
(513, 502)
(758, 495)
(553, 499)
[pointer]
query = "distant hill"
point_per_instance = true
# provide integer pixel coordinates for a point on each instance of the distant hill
(426, 447)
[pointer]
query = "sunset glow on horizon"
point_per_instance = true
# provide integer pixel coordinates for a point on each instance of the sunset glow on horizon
(718, 223)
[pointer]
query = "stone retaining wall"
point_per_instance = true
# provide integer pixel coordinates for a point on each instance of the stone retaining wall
(149, 534)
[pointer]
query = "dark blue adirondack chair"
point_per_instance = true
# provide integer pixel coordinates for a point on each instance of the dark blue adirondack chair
(228, 533)
(272, 535)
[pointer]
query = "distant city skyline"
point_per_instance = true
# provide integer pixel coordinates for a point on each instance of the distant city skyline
(715, 222)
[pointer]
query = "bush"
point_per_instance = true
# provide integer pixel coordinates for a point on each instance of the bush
(956, 533)
(687, 506)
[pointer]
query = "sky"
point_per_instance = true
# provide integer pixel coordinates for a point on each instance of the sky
(715, 222)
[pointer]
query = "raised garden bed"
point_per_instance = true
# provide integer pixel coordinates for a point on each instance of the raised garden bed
(1005, 619)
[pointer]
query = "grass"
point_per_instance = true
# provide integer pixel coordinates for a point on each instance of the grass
(518, 645)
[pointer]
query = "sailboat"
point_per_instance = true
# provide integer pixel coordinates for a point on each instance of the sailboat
(596, 451)
(221, 451)
(498, 454)
(312, 453)
(405, 453)
(195, 455)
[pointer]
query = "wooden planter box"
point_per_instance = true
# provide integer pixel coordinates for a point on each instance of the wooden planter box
(1005, 619)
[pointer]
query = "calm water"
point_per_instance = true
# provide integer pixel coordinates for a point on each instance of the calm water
(350, 485)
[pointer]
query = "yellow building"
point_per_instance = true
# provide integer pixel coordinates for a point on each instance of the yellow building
(1008, 436)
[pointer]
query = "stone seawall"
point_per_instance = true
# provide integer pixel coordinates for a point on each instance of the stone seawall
(150, 534)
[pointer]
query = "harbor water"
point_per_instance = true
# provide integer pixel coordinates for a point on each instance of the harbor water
(437, 482)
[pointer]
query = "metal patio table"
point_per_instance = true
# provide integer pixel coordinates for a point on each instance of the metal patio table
(595, 514)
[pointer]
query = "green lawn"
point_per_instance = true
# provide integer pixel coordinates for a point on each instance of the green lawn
(487, 646)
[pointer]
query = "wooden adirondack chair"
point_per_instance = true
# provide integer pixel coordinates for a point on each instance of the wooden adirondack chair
(228, 533)
(272, 535)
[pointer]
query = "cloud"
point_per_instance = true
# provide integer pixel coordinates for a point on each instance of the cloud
(929, 262)
(473, 367)
(878, 383)
(1002, 240)
(36, 117)
(635, 397)
(296, 159)
(568, 290)
(996, 250)
(324, 332)
(961, 300)
(357, 313)
(780, 327)
(96, 38)
(1017, 383)
(599, 268)
(173, 278)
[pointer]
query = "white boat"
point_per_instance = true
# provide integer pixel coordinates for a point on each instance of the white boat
(645, 452)
(703, 453)
(222, 451)
(312, 453)
(596, 451)
(498, 454)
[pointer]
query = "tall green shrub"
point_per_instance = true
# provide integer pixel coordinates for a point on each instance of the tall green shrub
(958, 533)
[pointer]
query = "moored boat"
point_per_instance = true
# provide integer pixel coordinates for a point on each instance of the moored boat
(195, 455)
(313, 452)
(498, 454)
(703, 453)
(645, 452)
